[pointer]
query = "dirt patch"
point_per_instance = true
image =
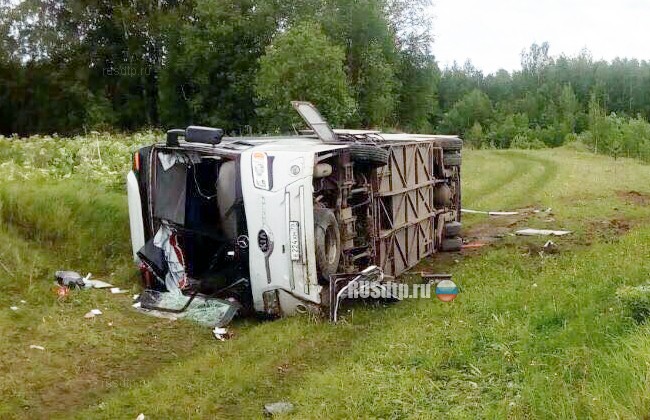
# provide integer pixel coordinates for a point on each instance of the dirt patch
(533, 247)
(619, 226)
(607, 230)
(483, 232)
(494, 228)
(634, 197)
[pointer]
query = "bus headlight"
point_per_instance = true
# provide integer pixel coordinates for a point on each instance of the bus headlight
(261, 172)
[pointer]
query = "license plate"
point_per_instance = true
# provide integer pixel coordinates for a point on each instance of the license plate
(294, 240)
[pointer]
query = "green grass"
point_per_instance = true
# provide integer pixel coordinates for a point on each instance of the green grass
(529, 336)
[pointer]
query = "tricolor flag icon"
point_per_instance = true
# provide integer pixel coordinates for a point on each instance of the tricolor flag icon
(446, 290)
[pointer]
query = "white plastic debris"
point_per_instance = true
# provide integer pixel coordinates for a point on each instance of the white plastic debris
(281, 407)
(93, 313)
(542, 232)
(97, 284)
(220, 334)
(137, 305)
(23, 301)
(473, 211)
(13, 308)
(490, 213)
(117, 290)
(550, 247)
(140, 417)
(35, 347)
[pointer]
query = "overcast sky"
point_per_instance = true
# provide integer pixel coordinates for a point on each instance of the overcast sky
(492, 33)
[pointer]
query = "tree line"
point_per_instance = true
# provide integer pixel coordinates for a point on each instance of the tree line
(67, 66)
(551, 101)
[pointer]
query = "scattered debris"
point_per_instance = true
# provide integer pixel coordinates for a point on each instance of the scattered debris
(35, 347)
(136, 296)
(16, 307)
(97, 284)
(62, 291)
(221, 334)
(542, 232)
(473, 211)
(137, 305)
(550, 247)
(70, 278)
(434, 278)
(117, 290)
(206, 311)
(473, 245)
(283, 368)
(93, 313)
(140, 417)
(490, 213)
(281, 407)
(23, 301)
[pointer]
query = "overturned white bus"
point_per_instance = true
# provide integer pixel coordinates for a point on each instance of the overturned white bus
(271, 220)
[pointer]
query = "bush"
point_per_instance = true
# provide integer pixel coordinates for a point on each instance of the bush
(570, 138)
(635, 301)
(522, 141)
(97, 158)
(474, 137)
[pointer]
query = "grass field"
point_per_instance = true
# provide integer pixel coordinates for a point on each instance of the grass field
(529, 336)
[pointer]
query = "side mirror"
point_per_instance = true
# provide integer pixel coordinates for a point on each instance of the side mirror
(208, 135)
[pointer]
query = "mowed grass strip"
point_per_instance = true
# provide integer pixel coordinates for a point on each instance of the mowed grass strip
(528, 336)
